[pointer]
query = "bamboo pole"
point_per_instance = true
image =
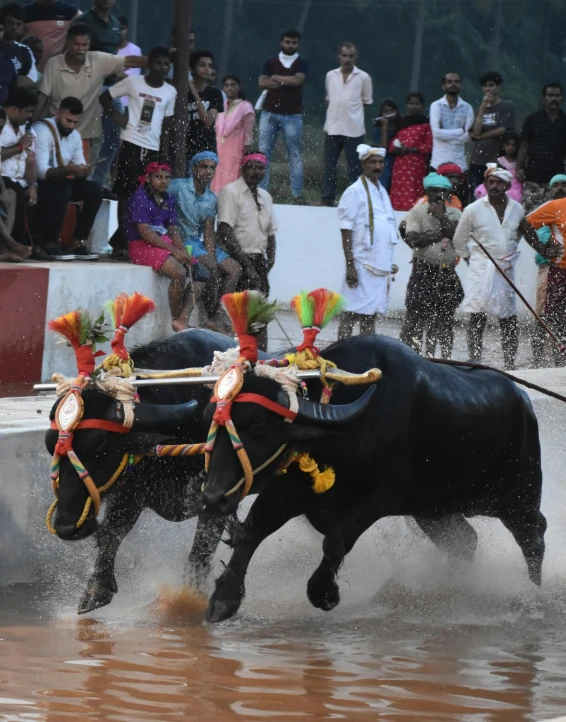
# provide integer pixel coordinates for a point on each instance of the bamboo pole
(181, 82)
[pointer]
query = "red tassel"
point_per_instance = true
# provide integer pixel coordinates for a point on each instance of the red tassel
(127, 311)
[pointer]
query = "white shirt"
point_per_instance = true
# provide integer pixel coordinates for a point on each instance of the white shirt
(450, 131)
(15, 167)
(346, 100)
(46, 154)
(147, 109)
(130, 49)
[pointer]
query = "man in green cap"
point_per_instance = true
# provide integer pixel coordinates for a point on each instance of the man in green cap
(549, 220)
(434, 291)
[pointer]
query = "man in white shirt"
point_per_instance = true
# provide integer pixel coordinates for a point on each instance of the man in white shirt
(497, 222)
(19, 171)
(369, 234)
(451, 120)
(348, 90)
(62, 172)
(145, 130)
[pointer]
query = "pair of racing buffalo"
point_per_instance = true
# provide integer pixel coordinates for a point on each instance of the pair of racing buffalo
(431, 441)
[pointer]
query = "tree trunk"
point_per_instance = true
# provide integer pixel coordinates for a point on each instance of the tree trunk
(133, 19)
(304, 16)
(226, 36)
(418, 48)
(181, 82)
(496, 37)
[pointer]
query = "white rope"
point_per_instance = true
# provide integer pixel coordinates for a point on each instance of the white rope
(286, 378)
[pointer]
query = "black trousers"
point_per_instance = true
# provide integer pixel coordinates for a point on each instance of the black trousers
(434, 292)
(52, 200)
(333, 146)
(509, 338)
(19, 233)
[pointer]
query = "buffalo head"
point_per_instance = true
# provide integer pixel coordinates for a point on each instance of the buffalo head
(101, 451)
(263, 433)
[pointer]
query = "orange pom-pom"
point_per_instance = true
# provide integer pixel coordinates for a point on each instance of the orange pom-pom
(127, 311)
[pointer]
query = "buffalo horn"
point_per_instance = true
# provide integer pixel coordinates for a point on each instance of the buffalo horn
(334, 413)
(152, 417)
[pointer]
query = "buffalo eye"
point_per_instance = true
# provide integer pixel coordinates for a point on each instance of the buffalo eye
(257, 426)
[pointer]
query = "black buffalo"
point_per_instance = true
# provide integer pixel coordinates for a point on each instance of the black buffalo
(427, 440)
(168, 486)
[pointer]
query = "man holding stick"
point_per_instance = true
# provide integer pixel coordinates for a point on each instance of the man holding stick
(494, 223)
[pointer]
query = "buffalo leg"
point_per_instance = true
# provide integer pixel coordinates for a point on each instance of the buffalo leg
(207, 538)
(119, 520)
(528, 531)
(452, 534)
(273, 508)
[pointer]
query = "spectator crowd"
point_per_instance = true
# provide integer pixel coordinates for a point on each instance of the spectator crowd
(85, 115)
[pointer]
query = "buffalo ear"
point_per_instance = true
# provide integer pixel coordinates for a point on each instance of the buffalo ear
(141, 442)
(301, 436)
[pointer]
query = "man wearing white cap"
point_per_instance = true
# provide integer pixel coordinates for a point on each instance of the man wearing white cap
(497, 222)
(369, 233)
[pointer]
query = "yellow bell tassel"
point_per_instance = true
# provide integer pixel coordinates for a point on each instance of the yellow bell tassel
(114, 361)
(323, 480)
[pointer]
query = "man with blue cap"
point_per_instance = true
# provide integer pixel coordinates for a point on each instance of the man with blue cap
(196, 212)
(434, 291)
(549, 220)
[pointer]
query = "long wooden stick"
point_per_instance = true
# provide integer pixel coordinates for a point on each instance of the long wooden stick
(549, 331)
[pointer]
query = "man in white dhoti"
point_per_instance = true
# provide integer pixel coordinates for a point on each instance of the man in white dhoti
(369, 233)
(498, 222)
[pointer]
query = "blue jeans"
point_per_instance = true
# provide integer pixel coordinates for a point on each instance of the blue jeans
(110, 144)
(270, 124)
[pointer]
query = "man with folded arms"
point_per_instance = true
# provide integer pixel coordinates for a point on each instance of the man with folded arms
(62, 172)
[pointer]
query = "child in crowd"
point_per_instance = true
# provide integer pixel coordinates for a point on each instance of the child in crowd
(507, 161)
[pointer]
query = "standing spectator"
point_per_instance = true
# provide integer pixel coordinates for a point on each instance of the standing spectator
(127, 48)
(543, 147)
(498, 222)
(205, 102)
(282, 79)
(234, 133)
(246, 226)
(106, 35)
(49, 20)
(493, 119)
(196, 211)
(19, 171)
(35, 44)
(80, 73)
(410, 149)
(348, 89)
(154, 239)
(62, 172)
(434, 291)
(12, 18)
(173, 51)
(8, 77)
(367, 225)
(550, 222)
(508, 161)
(145, 131)
(451, 119)
(385, 127)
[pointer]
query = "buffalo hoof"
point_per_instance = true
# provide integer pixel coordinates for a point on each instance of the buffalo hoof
(221, 609)
(95, 597)
(323, 593)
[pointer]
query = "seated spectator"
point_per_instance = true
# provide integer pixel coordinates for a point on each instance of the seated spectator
(19, 170)
(508, 161)
(247, 226)
(234, 133)
(13, 19)
(410, 148)
(205, 102)
(49, 20)
(154, 240)
(196, 211)
(62, 172)
(10, 250)
(145, 130)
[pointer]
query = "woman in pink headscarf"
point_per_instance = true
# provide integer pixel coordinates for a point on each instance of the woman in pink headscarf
(234, 133)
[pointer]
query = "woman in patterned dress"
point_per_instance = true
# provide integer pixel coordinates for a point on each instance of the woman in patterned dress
(411, 147)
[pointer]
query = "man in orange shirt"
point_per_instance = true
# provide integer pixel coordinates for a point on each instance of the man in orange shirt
(551, 291)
